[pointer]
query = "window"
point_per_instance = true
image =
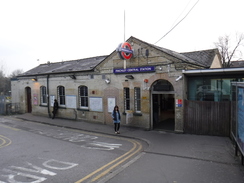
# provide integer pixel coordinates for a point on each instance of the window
(137, 95)
(43, 95)
(61, 95)
(126, 99)
(210, 88)
(83, 96)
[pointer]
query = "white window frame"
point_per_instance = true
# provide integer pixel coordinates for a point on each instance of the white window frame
(85, 96)
(126, 99)
(61, 96)
(137, 99)
(43, 95)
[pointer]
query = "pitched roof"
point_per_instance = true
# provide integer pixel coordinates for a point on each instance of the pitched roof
(237, 63)
(172, 53)
(204, 57)
(86, 64)
(200, 58)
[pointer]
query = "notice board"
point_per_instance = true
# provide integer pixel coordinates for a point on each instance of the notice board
(111, 104)
(71, 101)
(96, 104)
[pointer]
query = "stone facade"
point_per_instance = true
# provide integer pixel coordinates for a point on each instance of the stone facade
(167, 66)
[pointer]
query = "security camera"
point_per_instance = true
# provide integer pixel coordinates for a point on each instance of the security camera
(107, 81)
(178, 78)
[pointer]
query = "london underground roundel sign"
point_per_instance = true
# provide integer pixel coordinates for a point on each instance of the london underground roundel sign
(125, 50)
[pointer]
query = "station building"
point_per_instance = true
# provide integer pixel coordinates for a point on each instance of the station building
(150, 84)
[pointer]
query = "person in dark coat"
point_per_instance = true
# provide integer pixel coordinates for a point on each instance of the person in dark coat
(116, 119)
(55, 108)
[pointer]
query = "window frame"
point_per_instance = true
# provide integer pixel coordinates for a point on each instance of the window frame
(61, 96)
(84, 97)
(43, 95)
(137, 99)
(126, 98)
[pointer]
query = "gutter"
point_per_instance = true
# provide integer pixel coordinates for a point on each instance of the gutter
(212, 71)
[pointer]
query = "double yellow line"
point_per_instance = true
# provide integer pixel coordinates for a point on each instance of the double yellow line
(4, 141)
(113, 164)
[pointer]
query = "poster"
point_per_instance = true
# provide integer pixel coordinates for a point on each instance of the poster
(52, 97)
(111, 104)
(96, 104)
(240, 122)
(35, 99)
(71, 101)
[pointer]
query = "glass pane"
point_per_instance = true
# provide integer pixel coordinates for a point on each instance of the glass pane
(209, 88)
(84, 101)
(62, 100)
(137, 99)
(127, 98)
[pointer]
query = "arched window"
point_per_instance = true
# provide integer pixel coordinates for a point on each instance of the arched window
(43, 95)
(61, 95)
(162, 85)
(83, 97)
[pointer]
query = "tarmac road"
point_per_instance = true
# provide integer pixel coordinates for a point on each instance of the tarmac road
(170, 157)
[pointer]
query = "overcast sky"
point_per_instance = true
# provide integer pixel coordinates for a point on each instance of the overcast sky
(61, 30)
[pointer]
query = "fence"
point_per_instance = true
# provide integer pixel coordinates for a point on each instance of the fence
(207, 117)
(8, 108)
(12, 108)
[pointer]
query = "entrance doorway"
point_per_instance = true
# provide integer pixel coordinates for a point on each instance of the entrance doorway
(28, 99)
(163, 105)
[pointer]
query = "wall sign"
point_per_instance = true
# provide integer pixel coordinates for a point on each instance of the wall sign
(178, 102)
(125, 51)
(135, 69)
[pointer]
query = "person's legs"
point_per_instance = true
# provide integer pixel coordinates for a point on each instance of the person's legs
(115, 127)
(54, 113)
(118, 126)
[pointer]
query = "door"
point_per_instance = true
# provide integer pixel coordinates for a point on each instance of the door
(28, 99)
(163, 106)
(163, 112)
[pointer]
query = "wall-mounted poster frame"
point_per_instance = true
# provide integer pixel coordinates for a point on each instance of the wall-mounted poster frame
(71, 101)
(238, 133)
(111, 104)
(51, 98)
(96, 104)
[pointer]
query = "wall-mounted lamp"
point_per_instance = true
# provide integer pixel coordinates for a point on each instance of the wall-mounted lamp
(107, 81)
(34, 79)
(129, 77)
(72, 76)
(178, 78)
(160, 68)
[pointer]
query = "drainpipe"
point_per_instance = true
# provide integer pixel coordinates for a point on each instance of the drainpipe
(48, 99)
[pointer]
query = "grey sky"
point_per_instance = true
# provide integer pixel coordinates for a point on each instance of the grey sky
(57, 30)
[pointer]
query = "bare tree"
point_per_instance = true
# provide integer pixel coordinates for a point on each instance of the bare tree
(5, 82)
(16, 73)
(227, 51)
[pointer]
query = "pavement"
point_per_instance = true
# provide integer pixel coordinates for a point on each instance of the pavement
(169, 157)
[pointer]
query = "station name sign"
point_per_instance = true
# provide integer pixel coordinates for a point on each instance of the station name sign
(135, 69)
